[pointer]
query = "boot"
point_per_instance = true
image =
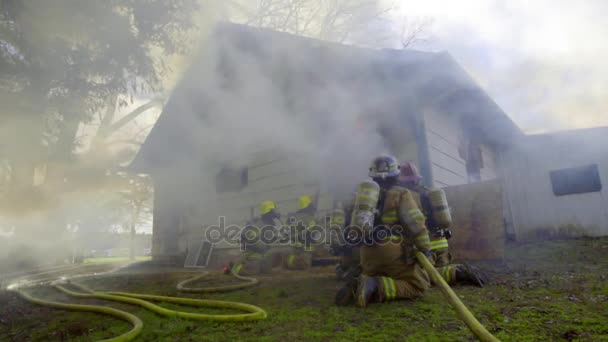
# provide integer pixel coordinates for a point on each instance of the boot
(368, 291)
(469, 275)
(346, 295)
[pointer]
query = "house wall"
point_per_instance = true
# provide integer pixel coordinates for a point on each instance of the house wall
(535, 211)
(445, 135)
(272, 175)
(281, 177)
(275, 175)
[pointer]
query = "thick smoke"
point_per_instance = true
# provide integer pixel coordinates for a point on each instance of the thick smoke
(248, 93)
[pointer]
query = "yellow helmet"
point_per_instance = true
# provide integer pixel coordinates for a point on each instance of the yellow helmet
(304, 201)
(266, 207)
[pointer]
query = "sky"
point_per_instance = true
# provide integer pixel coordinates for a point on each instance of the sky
(543, 62)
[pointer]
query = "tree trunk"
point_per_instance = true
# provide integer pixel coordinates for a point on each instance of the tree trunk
(133, 233)
(132, 243)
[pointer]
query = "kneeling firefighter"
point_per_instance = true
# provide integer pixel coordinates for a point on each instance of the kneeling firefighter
(300, 253)
(257, 258)
(389, 269)
(438, 221)
(348, 265)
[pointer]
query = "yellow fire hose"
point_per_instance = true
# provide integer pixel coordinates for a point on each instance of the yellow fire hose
(128, 336)
(248, 283)
(253, 312)
(462, 311)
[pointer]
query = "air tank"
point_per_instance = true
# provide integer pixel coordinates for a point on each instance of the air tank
(440, 209)
(366, 200)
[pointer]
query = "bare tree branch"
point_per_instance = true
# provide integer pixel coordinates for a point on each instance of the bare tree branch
(411, 31)
(135, 113)
(332, 20)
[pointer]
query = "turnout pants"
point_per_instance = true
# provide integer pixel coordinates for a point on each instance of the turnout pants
(442, 259)
(253, 263)
(298, 259)
(398, 279)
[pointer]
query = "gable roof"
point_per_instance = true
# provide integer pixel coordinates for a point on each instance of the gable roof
(412, 78)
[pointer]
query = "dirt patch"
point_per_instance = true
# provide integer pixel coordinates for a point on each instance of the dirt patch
(17, 316)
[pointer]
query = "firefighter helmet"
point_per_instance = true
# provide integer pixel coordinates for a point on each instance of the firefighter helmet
(383, 167)
(304, 201)
(266, 207)
(409, 173)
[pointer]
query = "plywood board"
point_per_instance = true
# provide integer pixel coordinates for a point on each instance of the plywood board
(478, 225)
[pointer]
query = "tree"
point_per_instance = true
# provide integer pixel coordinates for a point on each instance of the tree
(67, 62)
(331, 20)
(137, 200)
(364, 22)
(411, 30)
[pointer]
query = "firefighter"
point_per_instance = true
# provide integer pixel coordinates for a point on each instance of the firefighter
(438, 222)
(300, 222)
(257, 258)
(389, 269)
(348, 266)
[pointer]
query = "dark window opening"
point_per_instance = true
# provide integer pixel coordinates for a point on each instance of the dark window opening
(471, 153)
(231, 179)
(577, 180)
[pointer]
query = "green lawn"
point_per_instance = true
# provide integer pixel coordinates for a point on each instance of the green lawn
(555, 291)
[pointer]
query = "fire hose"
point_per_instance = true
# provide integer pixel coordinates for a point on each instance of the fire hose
(253, 312)
(463, 313)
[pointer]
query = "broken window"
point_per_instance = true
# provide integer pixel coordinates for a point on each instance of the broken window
(471, 153)
(231, 179)
(576, 180)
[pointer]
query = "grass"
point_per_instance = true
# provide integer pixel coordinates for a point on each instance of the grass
(556, 290)
(114, 259)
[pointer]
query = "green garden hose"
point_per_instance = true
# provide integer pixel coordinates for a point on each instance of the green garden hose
(478, 330)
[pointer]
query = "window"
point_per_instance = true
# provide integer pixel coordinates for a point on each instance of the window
(471, 153)
(576, 180)
(231, 179)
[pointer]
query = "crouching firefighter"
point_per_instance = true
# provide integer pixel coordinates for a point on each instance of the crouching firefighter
(348, 264)
(389, 269)
(435, 208)
(300, 222)
(257, 258)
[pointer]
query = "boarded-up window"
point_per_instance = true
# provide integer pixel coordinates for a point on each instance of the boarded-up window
(576, 180)
(231, 179)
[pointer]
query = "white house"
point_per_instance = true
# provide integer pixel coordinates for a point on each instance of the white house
(423, 106)
(556, 184)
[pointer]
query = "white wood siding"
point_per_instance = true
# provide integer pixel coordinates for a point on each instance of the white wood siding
(275, 176)
(534, 207)
(445, 135)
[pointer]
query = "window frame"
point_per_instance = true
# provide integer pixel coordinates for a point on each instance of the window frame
(221, 185)
(575, 180)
